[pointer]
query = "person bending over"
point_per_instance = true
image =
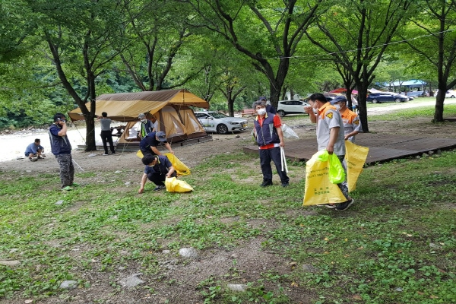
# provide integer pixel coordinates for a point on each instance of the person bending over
(158, 168)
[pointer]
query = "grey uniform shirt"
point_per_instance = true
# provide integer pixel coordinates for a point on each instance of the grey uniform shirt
(328, 118)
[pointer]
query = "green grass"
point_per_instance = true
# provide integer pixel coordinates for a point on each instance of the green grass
(397, 244)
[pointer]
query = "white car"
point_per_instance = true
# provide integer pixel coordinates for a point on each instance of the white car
(218, 122)
(285, 107)
(448, 94)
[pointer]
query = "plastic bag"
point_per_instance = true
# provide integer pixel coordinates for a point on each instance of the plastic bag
(336, 171)
(179, 166)
(355, 158)
(174, 185)
(288, 132)
(139, 154)
(318, 189)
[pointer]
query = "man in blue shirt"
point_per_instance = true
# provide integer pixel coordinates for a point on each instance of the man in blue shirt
(158, 168)
(61, 148)
(34, 151)
(148, 145)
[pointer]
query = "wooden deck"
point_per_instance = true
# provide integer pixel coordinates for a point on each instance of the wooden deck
(382, 147)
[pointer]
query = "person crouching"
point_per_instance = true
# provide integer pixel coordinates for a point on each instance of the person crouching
(269, 136)
(158, 168)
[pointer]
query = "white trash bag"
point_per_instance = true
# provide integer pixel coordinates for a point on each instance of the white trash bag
(288, 132)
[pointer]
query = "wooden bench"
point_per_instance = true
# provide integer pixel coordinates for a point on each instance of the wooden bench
(248, 112)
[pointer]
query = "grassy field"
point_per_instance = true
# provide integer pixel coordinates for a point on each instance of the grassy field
(397, 244)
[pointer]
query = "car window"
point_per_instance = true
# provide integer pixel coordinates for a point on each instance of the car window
(218, 115)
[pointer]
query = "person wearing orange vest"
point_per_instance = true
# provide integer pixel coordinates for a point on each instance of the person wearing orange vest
(330, 136)
(352, 125)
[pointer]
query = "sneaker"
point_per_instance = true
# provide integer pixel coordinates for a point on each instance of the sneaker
(158, 188)
(113, 152)
(67, 188)
(266, 183)
(34, 159)
(345, 206)
(285, 184)
(330, 206)
(105, 154)
(40, 157)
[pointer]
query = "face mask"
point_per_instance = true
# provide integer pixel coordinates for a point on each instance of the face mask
(337, 107)
(144, 120)
(315, 111)
(261, 111)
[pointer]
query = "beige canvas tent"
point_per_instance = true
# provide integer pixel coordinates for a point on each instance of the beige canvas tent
(170, 107)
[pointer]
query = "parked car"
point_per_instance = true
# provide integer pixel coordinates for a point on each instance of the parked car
(218, 122)
(448, 94)
(415, 93)
(385, 97)
(285, 107)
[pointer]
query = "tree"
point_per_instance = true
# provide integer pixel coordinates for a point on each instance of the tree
(156, 35)
(81, 36)
(267, 32)
(355, 34)
(436, 21)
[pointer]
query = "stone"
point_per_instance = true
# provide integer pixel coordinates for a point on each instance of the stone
(10, 263)
(70, 284)
(237, 287)
(127, 183)
(58, 203)
(166, 251)
(118, 171)
(309, 268)
(91, 155)
(131, 281)
(188, 252)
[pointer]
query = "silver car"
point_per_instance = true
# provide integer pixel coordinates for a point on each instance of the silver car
(291, 107)
(218, 122)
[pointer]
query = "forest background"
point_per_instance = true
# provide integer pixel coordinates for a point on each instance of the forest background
(56, 55)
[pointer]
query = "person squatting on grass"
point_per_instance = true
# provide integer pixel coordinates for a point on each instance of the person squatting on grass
(158, 168)
(61, 148)
(352, 125)
(106, 133)
(34, 151)
(269, 137)
(330, 136)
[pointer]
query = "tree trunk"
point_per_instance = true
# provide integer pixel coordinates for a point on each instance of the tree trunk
(439, 100)
(362, 107)
(230, 103)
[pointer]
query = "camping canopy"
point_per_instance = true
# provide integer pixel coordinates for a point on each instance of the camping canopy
(127, 106)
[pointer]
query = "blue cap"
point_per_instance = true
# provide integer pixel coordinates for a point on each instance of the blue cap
(338, 99)
(161, 135)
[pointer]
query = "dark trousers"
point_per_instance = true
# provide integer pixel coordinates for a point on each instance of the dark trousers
(66, 169)
(265, 161)
(343, 186)
(158, 179)
(106, 136)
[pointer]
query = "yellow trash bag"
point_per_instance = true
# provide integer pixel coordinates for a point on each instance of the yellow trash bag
(179, 166)
(174, 185)
(355, 157)
(139, 154)
(318, 188)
